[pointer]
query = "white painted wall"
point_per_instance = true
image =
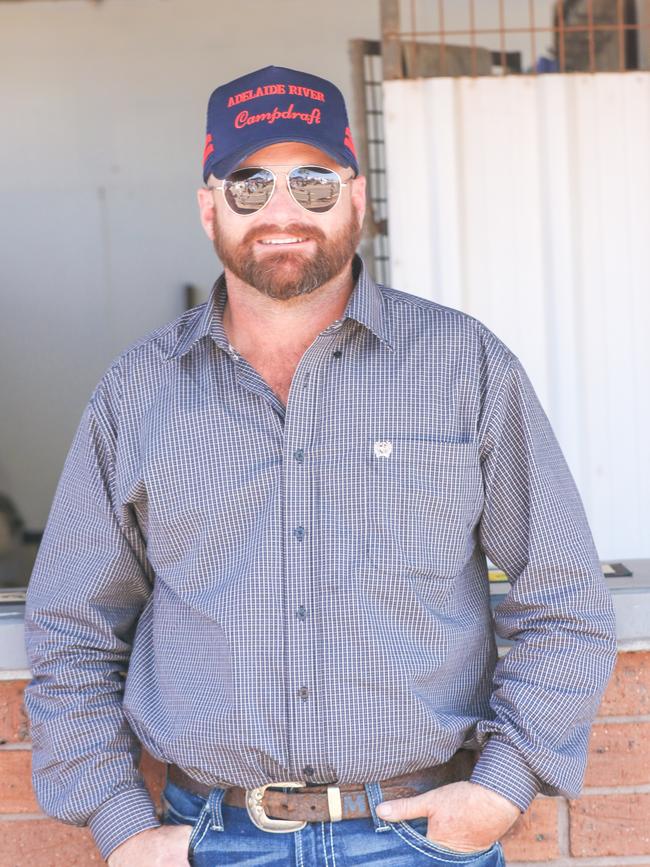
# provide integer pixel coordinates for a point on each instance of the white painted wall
(103, 112)
(102, 106)
(531, 211)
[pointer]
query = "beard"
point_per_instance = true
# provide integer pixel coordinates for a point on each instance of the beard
(285, 274)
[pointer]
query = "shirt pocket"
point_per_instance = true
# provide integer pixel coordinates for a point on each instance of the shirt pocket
(423, 499)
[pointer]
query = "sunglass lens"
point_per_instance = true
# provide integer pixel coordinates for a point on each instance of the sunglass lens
(248, 190)
(315, 188)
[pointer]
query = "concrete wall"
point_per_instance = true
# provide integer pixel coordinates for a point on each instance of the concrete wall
(102, 107)
(103, 111)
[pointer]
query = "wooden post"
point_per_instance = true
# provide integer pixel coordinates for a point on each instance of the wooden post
(391, 45)
(643, 10)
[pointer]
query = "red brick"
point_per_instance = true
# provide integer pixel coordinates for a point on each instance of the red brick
(46, 843)
(534, 837)
(16, 795)
(602, 825)
(14, 725)
(154, 776)
(628, 691)
(619, 755)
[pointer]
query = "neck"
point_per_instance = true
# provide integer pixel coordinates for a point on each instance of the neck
(258, 325)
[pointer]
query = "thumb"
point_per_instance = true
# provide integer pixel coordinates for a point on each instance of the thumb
(403, 808)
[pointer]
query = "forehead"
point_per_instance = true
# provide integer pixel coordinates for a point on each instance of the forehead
(290, 153)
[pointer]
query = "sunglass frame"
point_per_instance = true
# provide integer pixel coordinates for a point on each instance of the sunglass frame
(268, 168)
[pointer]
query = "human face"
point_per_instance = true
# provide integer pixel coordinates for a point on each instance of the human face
(326, 242)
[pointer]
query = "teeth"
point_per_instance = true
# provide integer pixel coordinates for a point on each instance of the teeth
(283, 241)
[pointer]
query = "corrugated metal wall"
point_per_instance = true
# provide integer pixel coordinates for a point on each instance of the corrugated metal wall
(525, 201)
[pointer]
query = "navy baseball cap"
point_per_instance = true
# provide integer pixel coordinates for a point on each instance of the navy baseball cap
(270, 105)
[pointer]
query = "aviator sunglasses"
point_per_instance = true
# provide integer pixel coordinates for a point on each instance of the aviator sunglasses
(248, 190)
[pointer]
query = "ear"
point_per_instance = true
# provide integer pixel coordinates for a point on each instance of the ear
(358, 194)
(205, 199)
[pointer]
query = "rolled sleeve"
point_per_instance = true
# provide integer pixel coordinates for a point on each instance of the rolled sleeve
(558, 613)
(502, 769)
(121, 817)
(86, 592)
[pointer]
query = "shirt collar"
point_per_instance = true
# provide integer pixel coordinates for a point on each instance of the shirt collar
(365, 305)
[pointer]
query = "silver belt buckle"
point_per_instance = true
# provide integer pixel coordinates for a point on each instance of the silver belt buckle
(268, 823)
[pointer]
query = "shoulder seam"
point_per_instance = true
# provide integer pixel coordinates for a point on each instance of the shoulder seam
(397, 296)
(180, 323)
(511, 359)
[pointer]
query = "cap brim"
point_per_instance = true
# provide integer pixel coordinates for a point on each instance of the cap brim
(223, 167)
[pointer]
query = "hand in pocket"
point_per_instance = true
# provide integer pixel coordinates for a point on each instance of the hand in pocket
(165, 846)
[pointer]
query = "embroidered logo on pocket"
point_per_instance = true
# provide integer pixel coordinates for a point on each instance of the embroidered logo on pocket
(383, 448)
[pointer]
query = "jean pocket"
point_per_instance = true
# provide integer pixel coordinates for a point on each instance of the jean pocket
(181, 807)
(413, 832)
(200, 829)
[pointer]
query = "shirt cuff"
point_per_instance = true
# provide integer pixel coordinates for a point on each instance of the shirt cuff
(122, 816)
(501, 768)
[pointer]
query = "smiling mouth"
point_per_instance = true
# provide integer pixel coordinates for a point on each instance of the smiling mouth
(281, 241)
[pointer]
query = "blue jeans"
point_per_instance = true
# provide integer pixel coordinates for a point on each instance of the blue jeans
(224, 834)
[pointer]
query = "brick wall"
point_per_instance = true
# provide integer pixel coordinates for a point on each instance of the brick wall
(608, 826)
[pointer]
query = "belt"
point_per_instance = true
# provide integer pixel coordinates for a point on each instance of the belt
(326, 802)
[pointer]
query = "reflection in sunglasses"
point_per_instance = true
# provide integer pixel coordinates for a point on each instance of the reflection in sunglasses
(314, 188)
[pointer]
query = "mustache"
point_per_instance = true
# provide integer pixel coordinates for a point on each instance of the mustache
(299, 229)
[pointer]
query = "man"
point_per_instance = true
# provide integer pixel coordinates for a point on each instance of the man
(276, 512)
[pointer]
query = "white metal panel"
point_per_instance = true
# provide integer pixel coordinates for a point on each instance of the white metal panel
(525, 201)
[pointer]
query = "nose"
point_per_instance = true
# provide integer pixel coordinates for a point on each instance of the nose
(282, 208)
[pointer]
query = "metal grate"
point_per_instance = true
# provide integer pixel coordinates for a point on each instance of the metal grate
(368, 77)
(474, 38)
(477, 37)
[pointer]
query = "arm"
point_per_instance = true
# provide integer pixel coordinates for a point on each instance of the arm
(86, 592)
(559, 612)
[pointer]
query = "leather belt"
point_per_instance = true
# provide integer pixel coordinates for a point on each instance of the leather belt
(329, 802)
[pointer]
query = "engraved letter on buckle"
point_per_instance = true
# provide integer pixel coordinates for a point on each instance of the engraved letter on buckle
(268, 823)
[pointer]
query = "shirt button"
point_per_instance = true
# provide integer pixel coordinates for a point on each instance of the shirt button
(299, 455)
(299, 533)
(301, 611)
(303, 692)
(308, 770)
(337, 353)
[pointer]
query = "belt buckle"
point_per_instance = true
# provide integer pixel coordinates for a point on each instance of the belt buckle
(268, 823)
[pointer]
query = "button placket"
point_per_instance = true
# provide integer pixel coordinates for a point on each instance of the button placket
(300, 422)
(249, 378)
